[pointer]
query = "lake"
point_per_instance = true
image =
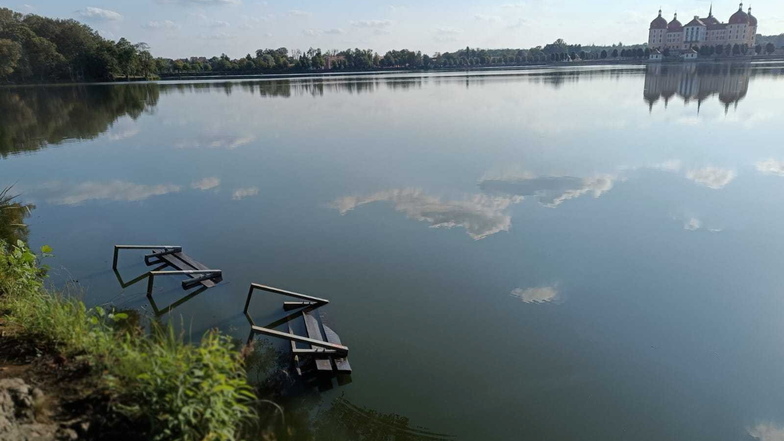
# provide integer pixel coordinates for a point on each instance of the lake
(563, 254)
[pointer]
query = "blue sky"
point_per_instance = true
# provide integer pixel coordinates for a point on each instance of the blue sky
(181, 28)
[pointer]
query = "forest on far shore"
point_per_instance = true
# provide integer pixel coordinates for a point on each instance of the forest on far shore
(35, 49)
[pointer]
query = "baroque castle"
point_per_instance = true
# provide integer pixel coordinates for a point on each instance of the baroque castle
(709, 31)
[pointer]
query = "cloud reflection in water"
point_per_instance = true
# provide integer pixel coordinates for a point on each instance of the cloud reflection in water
(771, 167)
(766, 432)
(712, 177)
(480, 215)
(242, 193)
(206, 184)
(58, 193)
(542, 294)
(551, 191)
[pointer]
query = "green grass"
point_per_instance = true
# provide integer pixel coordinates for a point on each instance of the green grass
(181, 391)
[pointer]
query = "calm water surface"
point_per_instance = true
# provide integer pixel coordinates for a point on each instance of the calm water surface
(589, 254)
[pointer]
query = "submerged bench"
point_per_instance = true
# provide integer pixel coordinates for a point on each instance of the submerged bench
(173, 256)
(323, 346)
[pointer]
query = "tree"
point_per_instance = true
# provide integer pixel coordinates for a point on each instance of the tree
(127, 57)
(770, 48)
(736, 49)
(604, 54)
(615, 53)
(42, 56)
(744, 49)
(758, 49)
(719, 49)
(10, 53)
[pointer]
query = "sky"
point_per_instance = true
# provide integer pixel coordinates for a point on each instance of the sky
(185, 28)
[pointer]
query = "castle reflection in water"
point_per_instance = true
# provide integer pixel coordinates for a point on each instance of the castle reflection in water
(696, 83)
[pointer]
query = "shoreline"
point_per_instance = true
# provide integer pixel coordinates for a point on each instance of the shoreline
(358, 73)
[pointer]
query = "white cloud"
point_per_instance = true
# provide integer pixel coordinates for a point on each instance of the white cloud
(712, 177)
(487, 18)
(771, 167)
(219, 36)
(299, 13)
(448, 30)
(541, 294)
(98, 14)
(254, 22)
(163, 24)
(766, 432)
(242, 193)
(202, 2)
(480, 215)
(219, 24)
(215, 142)
(59, 193)
(374, 24)
(518, 24)
(206, 184)
(335, 31)
(314, 32)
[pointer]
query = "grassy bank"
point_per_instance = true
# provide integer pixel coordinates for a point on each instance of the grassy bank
(165, 388)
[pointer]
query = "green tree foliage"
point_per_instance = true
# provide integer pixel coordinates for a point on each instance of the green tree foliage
(770, 48)
(10, 53)
(39, 49)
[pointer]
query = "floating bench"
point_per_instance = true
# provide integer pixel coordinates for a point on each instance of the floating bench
(324, 347)
(173, 256)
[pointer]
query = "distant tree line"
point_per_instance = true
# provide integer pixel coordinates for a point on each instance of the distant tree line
(39, 49)
(776, 40)
(730, 50)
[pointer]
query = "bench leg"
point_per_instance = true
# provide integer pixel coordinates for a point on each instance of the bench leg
(150, 282)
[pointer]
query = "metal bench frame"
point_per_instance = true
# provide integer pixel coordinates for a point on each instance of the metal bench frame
(311, 303)
(208, 274)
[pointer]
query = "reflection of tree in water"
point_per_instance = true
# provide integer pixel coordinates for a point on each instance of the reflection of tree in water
(299, 413)
(34, 117)
(12, 216)
(341, 420)
(345, 421)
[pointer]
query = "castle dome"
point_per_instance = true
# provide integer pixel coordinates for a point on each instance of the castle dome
(739, 17)
(752, 19)
(675, 25)
(659, 22)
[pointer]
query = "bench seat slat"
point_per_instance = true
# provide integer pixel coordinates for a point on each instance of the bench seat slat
(183, 262)
(341, 364)
(314, 332)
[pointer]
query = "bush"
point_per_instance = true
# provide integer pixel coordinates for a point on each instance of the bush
(183, 391)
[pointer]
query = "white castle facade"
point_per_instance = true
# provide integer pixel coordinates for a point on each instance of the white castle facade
(741, 30)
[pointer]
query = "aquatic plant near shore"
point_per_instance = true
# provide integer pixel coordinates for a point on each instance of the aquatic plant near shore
(182, 391)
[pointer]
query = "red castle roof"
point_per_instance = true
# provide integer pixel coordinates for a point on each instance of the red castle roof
(739, 17)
